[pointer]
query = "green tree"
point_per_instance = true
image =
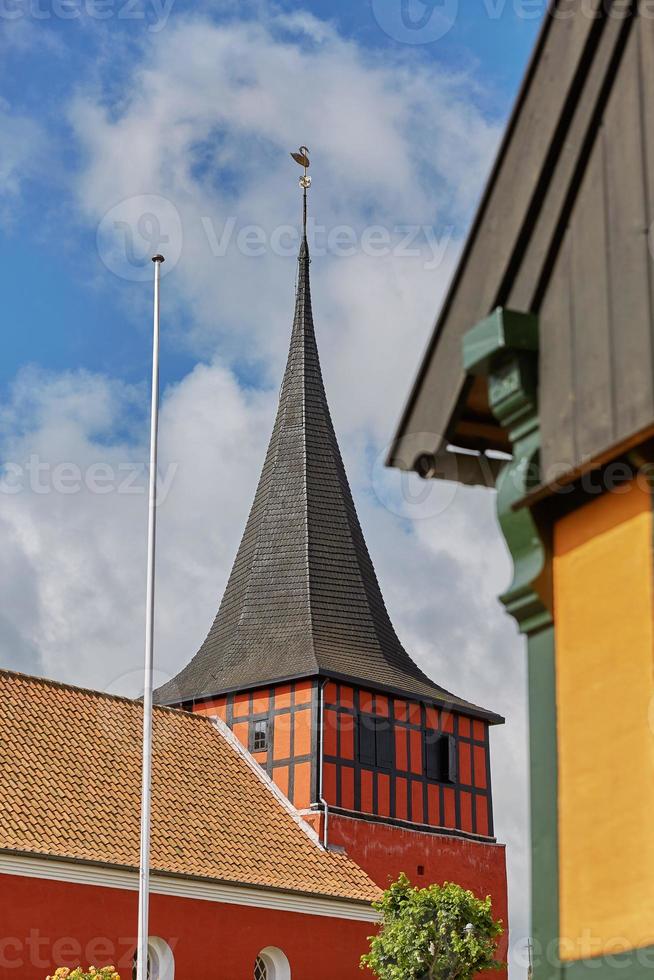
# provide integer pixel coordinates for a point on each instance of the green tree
(437, 933)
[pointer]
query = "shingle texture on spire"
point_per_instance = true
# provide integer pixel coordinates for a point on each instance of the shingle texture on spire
(302, 598)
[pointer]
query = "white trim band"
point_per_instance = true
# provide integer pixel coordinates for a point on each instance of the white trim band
(205, 891)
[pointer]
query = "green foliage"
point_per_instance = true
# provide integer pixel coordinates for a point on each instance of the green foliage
(423, 934)
(106, 973)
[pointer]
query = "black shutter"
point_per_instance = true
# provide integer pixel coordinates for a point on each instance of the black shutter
(384, 744)
(366, 739)
(440, 758)
(451, 758)
(433, 754)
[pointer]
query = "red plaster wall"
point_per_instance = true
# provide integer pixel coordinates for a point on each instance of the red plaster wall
(44, 924)
(384, 851)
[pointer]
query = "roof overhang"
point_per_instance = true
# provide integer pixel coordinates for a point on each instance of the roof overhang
(442, 701)
(447, 429)
(78, 872)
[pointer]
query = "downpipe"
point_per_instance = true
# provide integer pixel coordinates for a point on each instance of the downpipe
(321, 799)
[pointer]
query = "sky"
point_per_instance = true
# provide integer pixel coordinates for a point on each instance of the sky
(134, 126)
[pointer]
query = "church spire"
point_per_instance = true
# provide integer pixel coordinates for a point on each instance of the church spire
(302, 599)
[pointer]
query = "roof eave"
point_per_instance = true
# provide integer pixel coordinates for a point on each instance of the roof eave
(183, 876)
(474, 711)
(397, 454)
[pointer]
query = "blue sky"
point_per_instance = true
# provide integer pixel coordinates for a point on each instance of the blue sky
(61, 308)
(161, 125)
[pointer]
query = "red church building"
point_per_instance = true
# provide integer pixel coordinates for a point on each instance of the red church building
(311, 762)
(241, 885)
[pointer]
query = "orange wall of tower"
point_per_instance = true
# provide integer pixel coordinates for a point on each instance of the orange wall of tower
(603, 589)
(290, 709)
(403, 790)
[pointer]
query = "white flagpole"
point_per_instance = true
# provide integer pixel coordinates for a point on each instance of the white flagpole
(146, 801)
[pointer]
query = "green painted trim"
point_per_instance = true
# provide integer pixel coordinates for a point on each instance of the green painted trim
(544, 815)
(502, 330)
(636, 964)
(521, 599)
(504, 348)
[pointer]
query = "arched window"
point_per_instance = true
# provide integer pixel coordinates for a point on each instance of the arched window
(161, 963)
(271, 964)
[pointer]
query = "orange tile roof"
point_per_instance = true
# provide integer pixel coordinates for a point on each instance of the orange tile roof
(70, 788)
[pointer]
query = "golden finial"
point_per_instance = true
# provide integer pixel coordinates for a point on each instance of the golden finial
(301, 156)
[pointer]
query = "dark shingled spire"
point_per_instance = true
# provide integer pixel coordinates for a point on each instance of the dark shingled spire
(302, 598)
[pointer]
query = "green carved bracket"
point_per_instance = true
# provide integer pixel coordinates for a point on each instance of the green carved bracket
(504, 349)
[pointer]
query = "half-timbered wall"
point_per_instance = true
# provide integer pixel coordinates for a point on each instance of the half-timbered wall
(397, 785)
(383, 756)
(287, 713)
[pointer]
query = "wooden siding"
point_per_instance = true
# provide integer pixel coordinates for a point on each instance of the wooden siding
(509, 196)
(564, 236)
(597, 360)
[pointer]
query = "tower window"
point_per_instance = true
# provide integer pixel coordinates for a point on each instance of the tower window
(440, 757)
(259, 736)
(375, 737)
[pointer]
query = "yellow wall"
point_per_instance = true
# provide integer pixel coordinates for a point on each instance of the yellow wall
(604, 665)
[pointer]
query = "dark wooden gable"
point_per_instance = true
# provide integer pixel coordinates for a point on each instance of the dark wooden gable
(562, 231)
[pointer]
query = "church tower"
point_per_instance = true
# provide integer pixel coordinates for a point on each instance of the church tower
(304, 665)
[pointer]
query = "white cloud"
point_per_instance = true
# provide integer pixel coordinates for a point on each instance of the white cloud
(82, 548)
(207, 121)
